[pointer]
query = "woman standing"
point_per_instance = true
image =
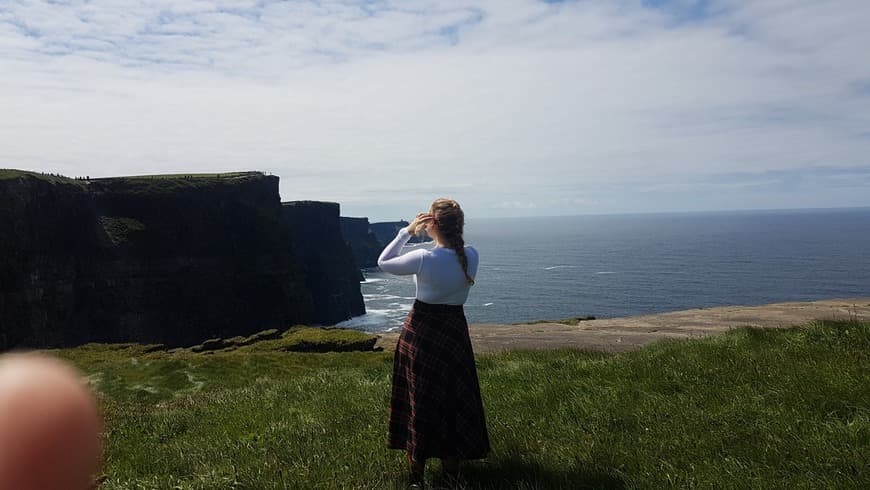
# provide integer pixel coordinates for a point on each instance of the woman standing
(436, 409)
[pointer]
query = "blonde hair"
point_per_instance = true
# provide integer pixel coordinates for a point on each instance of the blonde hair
(450, 221)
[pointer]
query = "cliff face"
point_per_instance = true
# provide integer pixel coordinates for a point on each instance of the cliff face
(365, 246)
(385, 231)
(43, 227)
(367, 240)
(331, 272)
(165, 260)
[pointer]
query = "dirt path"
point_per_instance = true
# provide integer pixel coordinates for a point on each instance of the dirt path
(621, 334)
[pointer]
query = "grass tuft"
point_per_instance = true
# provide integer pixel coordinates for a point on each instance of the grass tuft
(120, 229)
(296, 339)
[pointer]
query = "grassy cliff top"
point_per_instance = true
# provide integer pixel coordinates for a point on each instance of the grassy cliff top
(141, 184)
(171, 183)
(200, 177)
(11, 173)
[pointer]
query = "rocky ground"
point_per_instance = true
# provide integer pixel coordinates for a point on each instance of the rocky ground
(622, 334)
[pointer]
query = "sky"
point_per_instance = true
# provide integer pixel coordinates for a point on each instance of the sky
(512, 107)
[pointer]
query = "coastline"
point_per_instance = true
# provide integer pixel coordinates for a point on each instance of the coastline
(630, 333)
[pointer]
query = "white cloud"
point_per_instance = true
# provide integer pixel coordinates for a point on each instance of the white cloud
(508, 101)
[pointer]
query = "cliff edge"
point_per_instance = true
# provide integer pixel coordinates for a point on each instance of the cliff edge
(155, 259)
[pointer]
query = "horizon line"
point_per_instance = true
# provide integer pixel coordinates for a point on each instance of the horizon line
(651, 213)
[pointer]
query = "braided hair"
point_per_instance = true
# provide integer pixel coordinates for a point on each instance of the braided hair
(450, 221)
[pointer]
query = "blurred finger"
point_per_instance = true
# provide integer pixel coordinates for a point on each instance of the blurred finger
(50, 425)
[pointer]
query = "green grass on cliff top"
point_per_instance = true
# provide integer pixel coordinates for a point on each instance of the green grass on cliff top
(9, 173)
(142, 185)
(171, 183)
(748, 409)
(219, 175)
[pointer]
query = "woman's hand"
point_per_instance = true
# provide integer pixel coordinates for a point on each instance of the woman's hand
(419, 223)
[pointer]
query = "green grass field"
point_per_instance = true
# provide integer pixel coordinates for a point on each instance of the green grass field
(748, 409)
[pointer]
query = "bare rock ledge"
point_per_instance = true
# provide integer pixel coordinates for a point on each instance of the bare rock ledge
(623, 334)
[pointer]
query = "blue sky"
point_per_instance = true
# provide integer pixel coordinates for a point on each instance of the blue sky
(513, 107)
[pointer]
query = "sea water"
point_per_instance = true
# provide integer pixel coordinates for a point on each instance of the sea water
(621, 265)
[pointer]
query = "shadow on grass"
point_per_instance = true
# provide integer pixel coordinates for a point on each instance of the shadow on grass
(519, 474)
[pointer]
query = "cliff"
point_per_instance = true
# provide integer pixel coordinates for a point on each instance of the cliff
(385, 231)
(331, 272)
(367, 240)
(162, 259)
(365, 246)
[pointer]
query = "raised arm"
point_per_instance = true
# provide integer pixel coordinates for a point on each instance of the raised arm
(391, 261)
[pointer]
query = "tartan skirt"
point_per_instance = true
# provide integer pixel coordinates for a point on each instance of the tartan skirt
(435, 408)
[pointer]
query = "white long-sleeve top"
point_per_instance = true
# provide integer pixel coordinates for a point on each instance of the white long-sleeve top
(437, 272)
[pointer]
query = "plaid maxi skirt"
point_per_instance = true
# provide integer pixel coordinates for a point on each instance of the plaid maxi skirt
(436, 409)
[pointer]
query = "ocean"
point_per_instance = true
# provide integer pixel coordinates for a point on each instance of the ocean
(621, 265)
